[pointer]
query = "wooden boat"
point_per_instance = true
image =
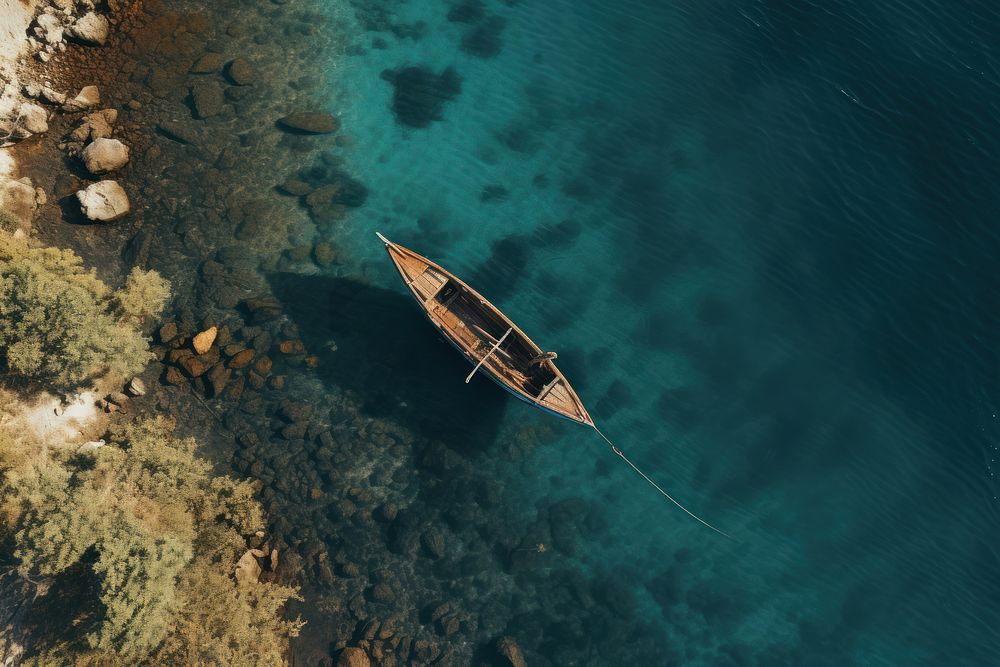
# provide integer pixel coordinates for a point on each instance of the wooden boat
(486, 336)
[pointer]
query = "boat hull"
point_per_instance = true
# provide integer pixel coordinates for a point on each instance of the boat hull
(473, 325)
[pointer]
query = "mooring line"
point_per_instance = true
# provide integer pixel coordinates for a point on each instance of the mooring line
(657, 486)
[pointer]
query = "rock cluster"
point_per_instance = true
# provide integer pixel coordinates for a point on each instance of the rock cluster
(61, 20)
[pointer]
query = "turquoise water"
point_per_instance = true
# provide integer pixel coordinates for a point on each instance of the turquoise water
(762, 239)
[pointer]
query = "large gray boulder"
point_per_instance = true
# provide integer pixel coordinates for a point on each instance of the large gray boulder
(103, 201)
(104, 155)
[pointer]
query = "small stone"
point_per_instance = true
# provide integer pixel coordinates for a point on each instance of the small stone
(218, 377)
(179, 132)
(294, 431)
(207, 64)
(310, 122)
(97, 125)
(34, 118)
(104, 201)
(324, 254)
(118, 398)
(295, 187)
(174, 376)
(52, 96)
(168, 332)
(510, 652)
(263, 365)
(135, 387)
(208, 99)
(242, 358)
(88, 96)
(202, 343)
(292, 347)
(91, 28)
(449, 625)
(382, 593)
(352, 656)
(433, 542)
(104, 155)
(134, 105)
(195, 365)
(241, 72)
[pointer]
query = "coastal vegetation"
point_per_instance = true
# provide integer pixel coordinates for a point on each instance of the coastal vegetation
(61, 325)
(143, 523)
(136, 525)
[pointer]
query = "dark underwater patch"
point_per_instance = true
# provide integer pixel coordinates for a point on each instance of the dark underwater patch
(469, 11)
(419, 94)
(484, 40)
(493, 193)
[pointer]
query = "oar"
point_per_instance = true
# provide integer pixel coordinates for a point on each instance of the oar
(488, 355)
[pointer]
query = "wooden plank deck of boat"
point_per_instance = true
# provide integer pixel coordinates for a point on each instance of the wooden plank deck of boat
(474, 325)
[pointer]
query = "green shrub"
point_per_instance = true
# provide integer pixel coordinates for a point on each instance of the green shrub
(60, 324)
(166, 534)
(145, 294)
(8, 223)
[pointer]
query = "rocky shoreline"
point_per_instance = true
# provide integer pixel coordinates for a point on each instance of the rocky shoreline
(210, 123)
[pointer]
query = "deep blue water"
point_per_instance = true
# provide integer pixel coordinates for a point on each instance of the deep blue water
(763, 238)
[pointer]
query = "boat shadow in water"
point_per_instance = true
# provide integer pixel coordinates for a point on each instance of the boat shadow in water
(376, 344)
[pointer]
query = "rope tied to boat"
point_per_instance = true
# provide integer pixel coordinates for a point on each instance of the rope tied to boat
(656, 486)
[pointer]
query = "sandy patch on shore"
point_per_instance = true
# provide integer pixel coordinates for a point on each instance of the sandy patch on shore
(49, 420)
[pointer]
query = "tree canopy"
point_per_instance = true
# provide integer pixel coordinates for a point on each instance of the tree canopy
(60, 324)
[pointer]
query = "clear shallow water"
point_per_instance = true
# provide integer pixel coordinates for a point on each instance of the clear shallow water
(762, 239)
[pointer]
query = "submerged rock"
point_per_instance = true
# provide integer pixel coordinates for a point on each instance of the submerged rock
(104, 155)
(179, 132)
(104, 201)
(241, 72)
(509, 650)
(352, 656)
(91, 28)
(208, 99)
(207, 64)
(202, 343)
(310, 122)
